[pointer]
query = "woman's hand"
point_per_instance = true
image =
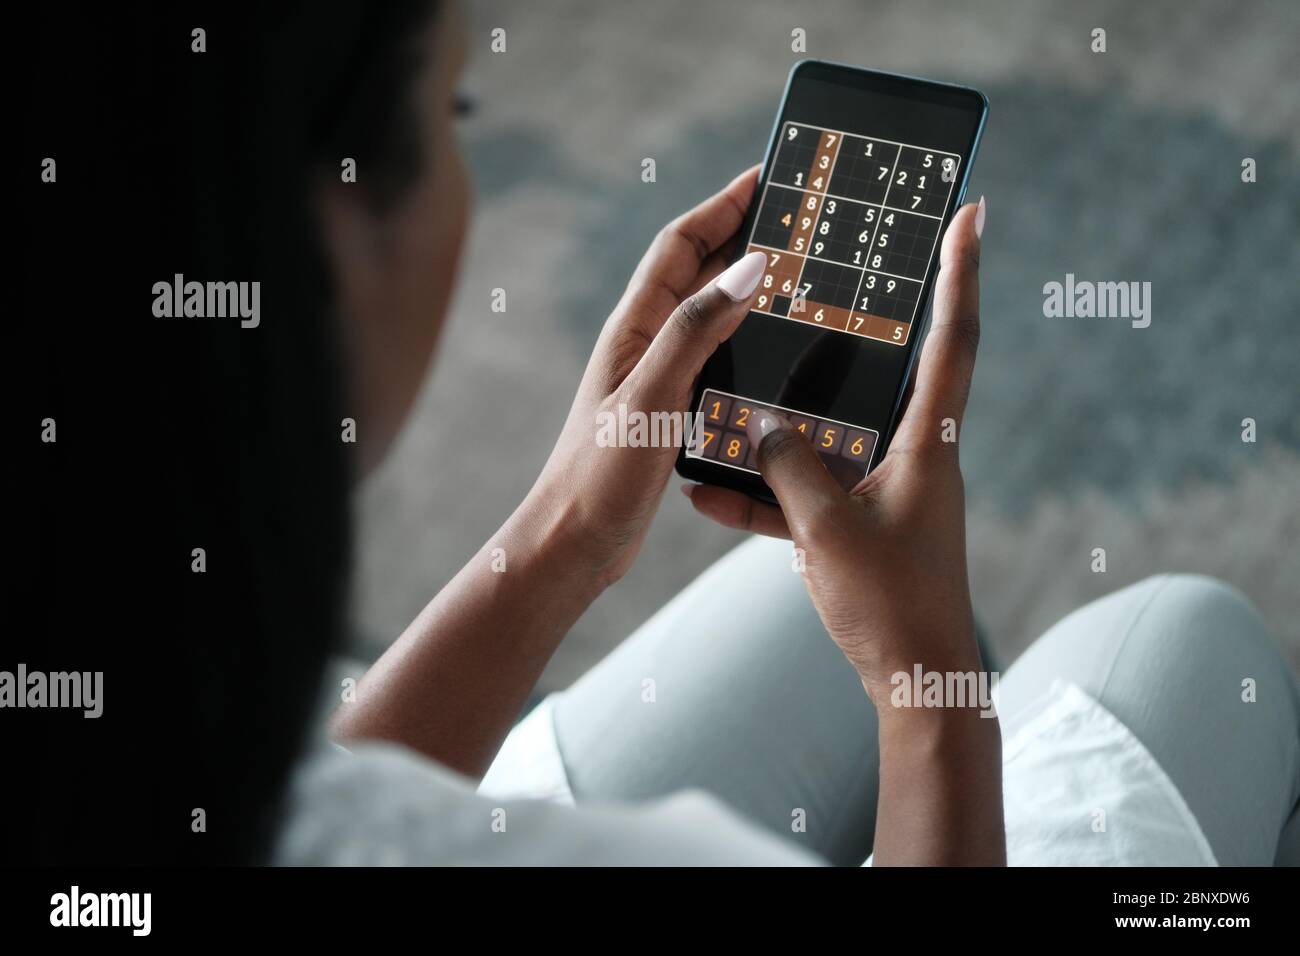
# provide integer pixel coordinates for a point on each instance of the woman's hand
(669, 321)
(885, 566)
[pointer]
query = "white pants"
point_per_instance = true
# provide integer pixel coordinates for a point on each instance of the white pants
(756, 705)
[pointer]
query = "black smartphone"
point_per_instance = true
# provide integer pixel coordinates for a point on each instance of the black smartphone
(862, 175)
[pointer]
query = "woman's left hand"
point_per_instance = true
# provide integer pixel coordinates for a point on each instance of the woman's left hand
(678, 307)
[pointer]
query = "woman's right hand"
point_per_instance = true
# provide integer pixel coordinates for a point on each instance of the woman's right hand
(886, 568)
(886, 564)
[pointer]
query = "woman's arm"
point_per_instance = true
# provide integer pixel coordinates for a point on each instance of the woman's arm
(886, 569)
(940, 790)
(455, 681)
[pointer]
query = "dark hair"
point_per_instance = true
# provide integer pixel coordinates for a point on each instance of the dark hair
(175, 434)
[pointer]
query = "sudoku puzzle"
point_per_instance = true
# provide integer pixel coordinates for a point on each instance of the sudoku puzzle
(850, 225)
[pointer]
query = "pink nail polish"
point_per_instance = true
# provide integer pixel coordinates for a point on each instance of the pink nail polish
(741, 278)
(979, 219)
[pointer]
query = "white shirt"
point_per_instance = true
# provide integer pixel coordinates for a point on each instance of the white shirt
(1079, 789)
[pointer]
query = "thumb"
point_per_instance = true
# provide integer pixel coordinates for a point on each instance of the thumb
(792, 469)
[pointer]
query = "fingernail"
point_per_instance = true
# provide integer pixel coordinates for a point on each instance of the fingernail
(741, 278)
(979, 219)
(761, 424)
(688, 490)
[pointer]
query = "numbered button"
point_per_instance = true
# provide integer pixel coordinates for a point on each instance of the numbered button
(715, 408)
(707, 446)
(803, 424)
(829, 437)
(741, 410)
(858, 445)
(734, 448)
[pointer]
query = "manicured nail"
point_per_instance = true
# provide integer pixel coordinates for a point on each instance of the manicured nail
(979, 219)
(761, 424)
(741, 278)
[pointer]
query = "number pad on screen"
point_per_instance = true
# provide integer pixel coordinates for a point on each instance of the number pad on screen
(720, 435)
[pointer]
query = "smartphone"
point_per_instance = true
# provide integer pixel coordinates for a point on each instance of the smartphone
(862, 175)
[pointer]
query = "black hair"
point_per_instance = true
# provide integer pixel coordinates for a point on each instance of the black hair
(176, 434)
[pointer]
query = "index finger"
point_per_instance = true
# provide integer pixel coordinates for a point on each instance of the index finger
(948, 358)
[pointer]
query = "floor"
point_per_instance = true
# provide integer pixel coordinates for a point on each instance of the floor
(1123, 165)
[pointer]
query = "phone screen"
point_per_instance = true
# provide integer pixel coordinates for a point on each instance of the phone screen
(862, 175)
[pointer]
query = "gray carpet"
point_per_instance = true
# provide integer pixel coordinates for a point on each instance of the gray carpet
(1081, 434)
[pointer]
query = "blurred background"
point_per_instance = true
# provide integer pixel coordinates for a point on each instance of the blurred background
(1119, 166)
